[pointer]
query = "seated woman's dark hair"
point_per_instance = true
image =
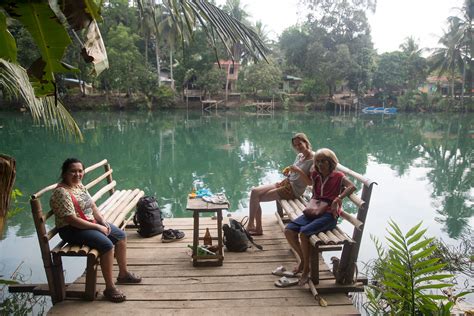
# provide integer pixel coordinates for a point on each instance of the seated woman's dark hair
(67, 163)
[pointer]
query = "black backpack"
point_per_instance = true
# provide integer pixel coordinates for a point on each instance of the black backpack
(236, 237)
(148, 217)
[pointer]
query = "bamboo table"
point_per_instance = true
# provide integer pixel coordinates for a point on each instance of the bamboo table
(197, 206)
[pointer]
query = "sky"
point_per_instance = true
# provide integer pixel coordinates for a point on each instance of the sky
(393, 21)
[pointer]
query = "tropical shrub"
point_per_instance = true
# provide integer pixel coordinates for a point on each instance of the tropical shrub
(164, 97)
(211, 81)
(313, 88)
(262, 79)
(405, 274)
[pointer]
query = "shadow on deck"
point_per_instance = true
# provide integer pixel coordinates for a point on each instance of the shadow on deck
(244, 285)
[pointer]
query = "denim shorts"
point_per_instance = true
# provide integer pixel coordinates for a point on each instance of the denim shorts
(307, 226)
(91, 237)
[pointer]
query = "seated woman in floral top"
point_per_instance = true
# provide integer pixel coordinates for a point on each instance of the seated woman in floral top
(79, 222)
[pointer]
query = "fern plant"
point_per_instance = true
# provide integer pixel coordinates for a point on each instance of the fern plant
(406, 274)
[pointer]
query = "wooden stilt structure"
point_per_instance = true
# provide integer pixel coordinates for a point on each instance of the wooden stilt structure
(265, 107)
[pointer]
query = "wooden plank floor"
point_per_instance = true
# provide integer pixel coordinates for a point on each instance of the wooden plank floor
(244, 285)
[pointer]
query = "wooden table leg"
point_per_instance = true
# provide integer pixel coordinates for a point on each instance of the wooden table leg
(314, 255)
(195, 236)
(219, 236)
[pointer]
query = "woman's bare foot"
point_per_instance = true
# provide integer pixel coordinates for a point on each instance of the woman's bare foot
(298, 268)
(304, 279)
(255, 232)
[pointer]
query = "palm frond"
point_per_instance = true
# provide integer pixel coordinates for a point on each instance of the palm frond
(15, 84)
(409, 274)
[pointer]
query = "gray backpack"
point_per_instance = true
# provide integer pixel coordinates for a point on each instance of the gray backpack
(236, 237)
(148, 217)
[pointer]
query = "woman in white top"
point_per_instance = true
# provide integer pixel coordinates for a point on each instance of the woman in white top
(293, 186)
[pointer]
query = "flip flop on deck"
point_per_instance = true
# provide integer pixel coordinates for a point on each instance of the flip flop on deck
(286, 282)
(281, 271)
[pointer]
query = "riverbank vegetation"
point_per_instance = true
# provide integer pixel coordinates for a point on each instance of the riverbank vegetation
(154, 59)
(409, 277)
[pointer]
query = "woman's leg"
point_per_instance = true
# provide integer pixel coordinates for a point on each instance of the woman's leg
(119, 239)
(121, 256)
(255, 211)
(95, 239)
(270, 195)
(305, 249)
(292, 238)
(323, 223)
(106, 263)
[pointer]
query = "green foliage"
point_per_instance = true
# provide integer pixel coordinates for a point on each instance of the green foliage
(313, 88)
(14, 84)
(51, 38)
(405, 275)
(8, 49)
(164, 97)
(390, 74)
(126, 66)
(261, 79)
(414, 100)
(334, 44)
(16, 207)
(211, 81)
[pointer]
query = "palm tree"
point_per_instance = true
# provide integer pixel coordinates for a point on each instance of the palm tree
(415, 63)
(235, 9)
(447, 58)
(172, 34)
(462, 26)
(158, 22)
(15, 84)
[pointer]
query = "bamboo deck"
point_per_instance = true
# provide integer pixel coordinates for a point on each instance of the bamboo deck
(244, 285)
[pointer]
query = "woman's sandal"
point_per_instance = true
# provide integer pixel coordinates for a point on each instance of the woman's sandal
(114, 295)
(130, 278)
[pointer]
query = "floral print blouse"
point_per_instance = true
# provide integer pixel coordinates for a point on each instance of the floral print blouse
(62, 205)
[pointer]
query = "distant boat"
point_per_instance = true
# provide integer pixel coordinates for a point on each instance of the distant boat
(374, 110)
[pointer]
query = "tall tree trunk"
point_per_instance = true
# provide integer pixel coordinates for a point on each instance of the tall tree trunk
(463, 82)
(471, 62)
(146, 51)
(7, 179)
(452, 84)
(171, 68)
(157, 56)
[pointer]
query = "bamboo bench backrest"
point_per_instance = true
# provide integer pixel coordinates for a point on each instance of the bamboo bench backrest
(361, 202)
(44, 236)
(350, 253)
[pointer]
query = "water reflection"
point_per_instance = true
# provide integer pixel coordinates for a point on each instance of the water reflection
(164, 152)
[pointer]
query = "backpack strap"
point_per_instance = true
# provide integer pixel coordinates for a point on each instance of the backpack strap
(243, 222)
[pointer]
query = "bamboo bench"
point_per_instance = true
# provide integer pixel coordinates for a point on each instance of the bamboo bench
(115, 209)
(344, 269)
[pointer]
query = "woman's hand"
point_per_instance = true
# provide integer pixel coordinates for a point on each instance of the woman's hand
(103, 229)
(295, 169)
(335, 205)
